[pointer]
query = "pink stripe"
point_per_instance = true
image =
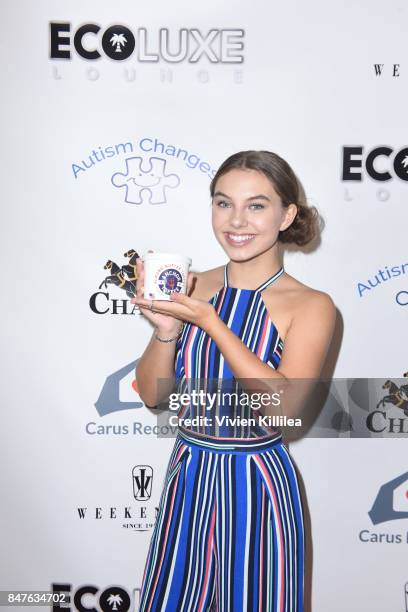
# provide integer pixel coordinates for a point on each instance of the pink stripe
(261, 549)
(216, 560)
(207, 350)
(187, 354)
(167, 531)
(208, 560)
(280, 529)
(210, 438)
(279, 338)
(179, 454)
(263, 337)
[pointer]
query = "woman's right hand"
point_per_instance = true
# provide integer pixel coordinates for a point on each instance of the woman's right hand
(163, 323)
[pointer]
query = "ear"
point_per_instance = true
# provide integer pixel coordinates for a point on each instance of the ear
(291, 212)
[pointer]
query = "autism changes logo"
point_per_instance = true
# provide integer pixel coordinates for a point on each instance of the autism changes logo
(150, 176)
(148, 170)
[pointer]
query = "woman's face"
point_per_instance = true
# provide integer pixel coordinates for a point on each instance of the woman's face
(247, 213)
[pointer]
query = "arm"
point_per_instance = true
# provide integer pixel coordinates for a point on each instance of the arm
(157, 362)
(306, 346)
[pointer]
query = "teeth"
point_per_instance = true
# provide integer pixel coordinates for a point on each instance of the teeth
(240, 238)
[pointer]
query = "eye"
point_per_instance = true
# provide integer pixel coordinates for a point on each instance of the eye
(221, 204)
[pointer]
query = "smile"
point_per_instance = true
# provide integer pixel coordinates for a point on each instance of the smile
(239, 239)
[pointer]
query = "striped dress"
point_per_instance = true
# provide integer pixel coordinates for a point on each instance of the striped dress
(201, 366)
(229, 533)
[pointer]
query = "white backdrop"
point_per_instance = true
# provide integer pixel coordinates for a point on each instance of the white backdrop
(305, 88)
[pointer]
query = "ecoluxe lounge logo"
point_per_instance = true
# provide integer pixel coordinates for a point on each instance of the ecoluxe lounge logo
(382, 166)
(380, 163)
(113, 598)
(119, 42)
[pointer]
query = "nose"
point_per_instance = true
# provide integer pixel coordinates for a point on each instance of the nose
(237, 218)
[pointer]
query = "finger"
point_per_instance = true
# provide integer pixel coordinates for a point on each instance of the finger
(146, 303)
(138, 267)
(139, 289)
(160, 306)
(180, 297)
(140, 278)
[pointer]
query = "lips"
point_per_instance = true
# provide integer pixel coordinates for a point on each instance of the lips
(239, 240)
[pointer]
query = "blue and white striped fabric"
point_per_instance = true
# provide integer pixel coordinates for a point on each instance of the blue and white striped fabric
(229, 534)
(200, 365)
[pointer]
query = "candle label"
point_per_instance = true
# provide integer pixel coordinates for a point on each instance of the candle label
(169, 280)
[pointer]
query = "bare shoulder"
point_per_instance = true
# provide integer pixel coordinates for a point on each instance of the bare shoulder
(207, 282)
(310, 331)
(306, 295)
(310, 303)
(291, 302)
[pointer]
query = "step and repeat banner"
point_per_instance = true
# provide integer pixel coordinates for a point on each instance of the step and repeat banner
(115, 117)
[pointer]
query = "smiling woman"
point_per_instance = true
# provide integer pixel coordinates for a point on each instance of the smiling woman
(234, 476)
(280, 192)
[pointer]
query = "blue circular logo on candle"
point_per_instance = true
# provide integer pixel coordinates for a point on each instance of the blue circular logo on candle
(169, 281)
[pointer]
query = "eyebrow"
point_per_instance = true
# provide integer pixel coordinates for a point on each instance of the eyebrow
(257, 197)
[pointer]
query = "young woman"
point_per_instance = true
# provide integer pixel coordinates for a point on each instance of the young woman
(229, 534)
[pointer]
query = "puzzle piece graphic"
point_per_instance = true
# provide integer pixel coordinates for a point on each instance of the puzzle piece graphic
(136, 180)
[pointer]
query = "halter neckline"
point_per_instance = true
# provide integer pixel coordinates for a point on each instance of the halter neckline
(261, 287)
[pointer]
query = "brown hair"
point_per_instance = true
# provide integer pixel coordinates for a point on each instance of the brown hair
(305, 226)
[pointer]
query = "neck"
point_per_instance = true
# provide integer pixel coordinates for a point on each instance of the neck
(255, 271)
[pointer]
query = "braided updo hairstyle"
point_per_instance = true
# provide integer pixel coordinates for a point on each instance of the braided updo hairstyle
(305, 226)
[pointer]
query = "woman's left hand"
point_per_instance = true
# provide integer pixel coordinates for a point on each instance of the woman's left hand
(182, 307)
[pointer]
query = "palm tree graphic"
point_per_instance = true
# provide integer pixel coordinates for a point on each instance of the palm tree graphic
(114, 599)
(119, 40)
